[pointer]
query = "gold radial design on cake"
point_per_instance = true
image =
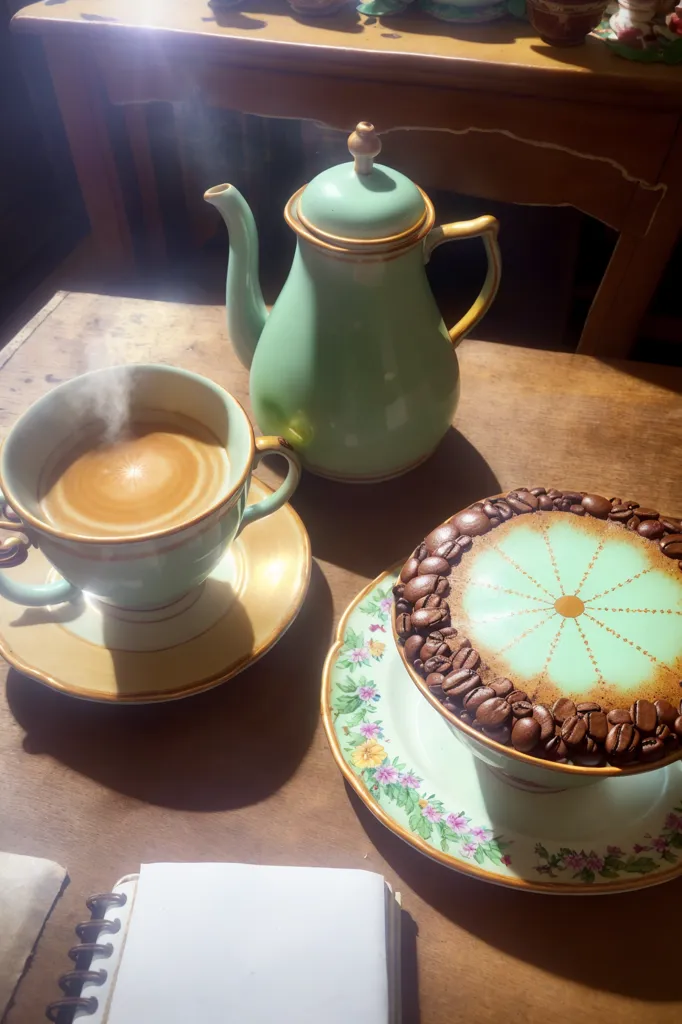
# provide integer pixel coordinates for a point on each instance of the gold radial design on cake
(573, 605)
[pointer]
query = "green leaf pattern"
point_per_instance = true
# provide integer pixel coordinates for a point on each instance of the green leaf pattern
(590, 867)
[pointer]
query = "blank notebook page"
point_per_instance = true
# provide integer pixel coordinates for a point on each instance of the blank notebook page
(244, 944)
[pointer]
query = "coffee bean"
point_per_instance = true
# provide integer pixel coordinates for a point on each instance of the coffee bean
(435, 682)
(622, 740)
(555, 749)
(597, 725)
(553, 493)
(433, 564)
(409, 570)
(618, 716)
(457, 684)
(420, 586)
(677, 725)
(445, 632)
(525, 734)
(633, 504)
(643, 715)
(527, 497)
(620, 513)
(645, 513)
(432, 601)
(403, 624)
(466, 658)
(433, 647)
(652, 529)
(427, 618)
(633, 524)
(616, 501)
(402, 606)
(442, 587)
(398, 590)
(519, 506)
(573, 731)
(671, 545)
(575, 497)
(561, 504)
(652, 749)
(537, 491)
(563, 709)
(456, 643)
(413, 646)
(665, 712)
(446, 532)
(451, 707)
(465, 717)
(464, 542)
(521, 708)
(516, 695)
(448, 549)
(577, 510)
(437, 664)
(501, 735)
(543, 715)
(503, 510)
(475, 698)
(596, 505)
(502, 687)
(493, 713)
(588, 755)
(490, 510)
(545, 503)
(671, 525)
(473, 522)
(587, 705)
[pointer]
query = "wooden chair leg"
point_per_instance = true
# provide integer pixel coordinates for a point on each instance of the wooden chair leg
(79, 96)
(634, 271)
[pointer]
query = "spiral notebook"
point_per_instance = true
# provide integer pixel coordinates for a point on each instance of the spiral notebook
(224, 943)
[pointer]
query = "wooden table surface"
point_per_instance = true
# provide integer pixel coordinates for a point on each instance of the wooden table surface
(244, 772)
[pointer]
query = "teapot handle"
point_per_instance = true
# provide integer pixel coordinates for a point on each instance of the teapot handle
(487, 228)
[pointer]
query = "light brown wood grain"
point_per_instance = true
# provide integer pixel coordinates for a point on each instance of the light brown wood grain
(244, 772)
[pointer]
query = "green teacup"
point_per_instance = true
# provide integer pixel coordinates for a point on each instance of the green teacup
(133, 482)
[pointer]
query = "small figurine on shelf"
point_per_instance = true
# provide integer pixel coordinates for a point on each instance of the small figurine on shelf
(648, 31)
(633, 22)
(674, 20)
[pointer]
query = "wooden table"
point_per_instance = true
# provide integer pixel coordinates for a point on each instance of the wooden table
(489, 111)
(244, 772)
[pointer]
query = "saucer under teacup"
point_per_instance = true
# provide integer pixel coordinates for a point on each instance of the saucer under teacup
(418, 779)
(99, 652)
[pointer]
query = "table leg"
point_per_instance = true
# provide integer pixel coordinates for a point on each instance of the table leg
(80, 99)
(634, 270)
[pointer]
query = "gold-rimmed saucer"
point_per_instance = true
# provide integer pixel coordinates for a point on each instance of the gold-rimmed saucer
(88, 650)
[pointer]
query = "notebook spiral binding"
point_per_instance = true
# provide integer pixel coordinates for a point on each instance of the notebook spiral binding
(61, 1011)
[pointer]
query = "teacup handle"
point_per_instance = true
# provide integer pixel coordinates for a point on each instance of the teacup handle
(273, 446)
(486, 227)
(33, 595)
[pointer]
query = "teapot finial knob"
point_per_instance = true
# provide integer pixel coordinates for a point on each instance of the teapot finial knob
(364, 145)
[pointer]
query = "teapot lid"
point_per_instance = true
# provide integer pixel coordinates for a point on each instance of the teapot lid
(361, 200)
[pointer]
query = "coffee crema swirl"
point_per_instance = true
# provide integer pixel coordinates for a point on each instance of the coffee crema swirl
(159, 474)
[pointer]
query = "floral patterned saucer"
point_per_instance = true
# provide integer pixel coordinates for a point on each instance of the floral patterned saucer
(409, 768)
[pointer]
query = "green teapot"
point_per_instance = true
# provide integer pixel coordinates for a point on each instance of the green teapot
(353, 365)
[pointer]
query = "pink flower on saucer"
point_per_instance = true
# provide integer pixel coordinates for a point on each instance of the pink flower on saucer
(371, 730)
(506, 860)
(386, 773)
(469, 848)
(575, 860)
(431, 813)
(660, 844)
(358, 654)
(482, 834)
(386, 605)
(458, 822)
(368, 693)
(409, 781)
(593, 862)
(674, 822)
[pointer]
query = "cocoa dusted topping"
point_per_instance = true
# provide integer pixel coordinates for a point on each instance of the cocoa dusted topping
(572, 732)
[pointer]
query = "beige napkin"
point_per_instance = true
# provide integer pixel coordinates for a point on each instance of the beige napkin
(29, 887)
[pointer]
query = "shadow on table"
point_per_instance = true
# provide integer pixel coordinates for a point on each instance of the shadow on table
(367, 527)
(230, 747)
(588, 940)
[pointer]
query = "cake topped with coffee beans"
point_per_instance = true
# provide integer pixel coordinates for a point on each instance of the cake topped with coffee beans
(551, 622)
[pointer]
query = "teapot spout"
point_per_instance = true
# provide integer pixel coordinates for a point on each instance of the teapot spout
(246, 311)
